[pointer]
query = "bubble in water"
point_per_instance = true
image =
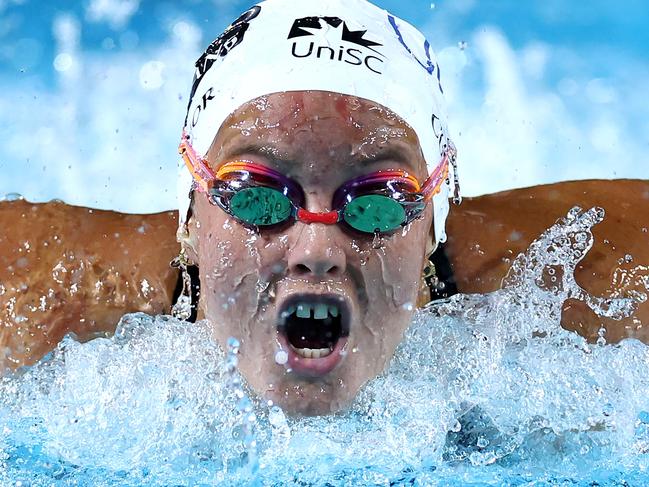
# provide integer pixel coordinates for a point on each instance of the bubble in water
(233, 346)
(280, 429)
(601, 340)
(276, 416)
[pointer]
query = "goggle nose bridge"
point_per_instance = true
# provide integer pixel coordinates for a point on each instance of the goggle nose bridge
(327, 217)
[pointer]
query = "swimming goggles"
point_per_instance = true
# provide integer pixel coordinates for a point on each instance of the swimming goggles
(260, 197)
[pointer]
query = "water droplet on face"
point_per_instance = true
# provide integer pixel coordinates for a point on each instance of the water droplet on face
(281, 357)
(283, 239)
(377, 241)
(261, 286)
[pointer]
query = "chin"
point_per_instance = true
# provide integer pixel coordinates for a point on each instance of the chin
(297, 393)
(303, 397)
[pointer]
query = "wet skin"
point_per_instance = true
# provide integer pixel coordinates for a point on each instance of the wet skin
(321, 140)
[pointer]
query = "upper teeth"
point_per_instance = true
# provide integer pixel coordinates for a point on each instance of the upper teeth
(318, 311)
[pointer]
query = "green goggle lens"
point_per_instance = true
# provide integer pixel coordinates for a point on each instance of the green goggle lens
(261, 206)
(371, 213)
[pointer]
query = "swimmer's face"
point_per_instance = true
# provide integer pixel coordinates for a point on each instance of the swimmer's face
(359, 299)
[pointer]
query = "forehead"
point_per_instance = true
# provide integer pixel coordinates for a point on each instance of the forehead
(299, 106)
(316, 124)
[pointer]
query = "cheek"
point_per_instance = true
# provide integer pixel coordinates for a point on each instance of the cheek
(390, 277)
(228, 275)
(236, 269)
(226, 248)
(394, 270)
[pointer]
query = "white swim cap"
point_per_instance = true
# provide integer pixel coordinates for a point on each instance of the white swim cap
(351, 47)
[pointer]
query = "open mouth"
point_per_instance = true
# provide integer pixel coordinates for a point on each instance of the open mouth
(314, 329)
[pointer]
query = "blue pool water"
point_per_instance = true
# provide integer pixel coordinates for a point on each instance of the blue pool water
(484, 390)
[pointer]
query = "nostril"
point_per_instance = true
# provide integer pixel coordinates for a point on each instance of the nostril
(301, 269)
(334, 270)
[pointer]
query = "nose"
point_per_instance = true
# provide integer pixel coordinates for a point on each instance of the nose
(316, 251)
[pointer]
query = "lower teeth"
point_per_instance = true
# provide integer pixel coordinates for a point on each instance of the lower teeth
(312, 352)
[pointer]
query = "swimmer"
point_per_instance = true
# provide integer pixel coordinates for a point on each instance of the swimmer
(318, 169)
(315, 179)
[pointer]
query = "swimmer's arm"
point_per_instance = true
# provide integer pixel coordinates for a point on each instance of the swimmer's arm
(69, 269)
(485, 234)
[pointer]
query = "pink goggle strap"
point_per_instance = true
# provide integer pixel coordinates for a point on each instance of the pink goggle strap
(433, 184)
(204, 176)
(200, 171)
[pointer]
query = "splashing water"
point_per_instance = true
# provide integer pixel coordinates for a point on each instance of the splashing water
(484, 390)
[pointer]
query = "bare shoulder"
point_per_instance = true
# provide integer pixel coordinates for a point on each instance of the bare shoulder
(71, 269)
(487, 232)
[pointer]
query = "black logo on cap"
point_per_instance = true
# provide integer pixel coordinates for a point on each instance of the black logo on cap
(307, 27)
(222, 45)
